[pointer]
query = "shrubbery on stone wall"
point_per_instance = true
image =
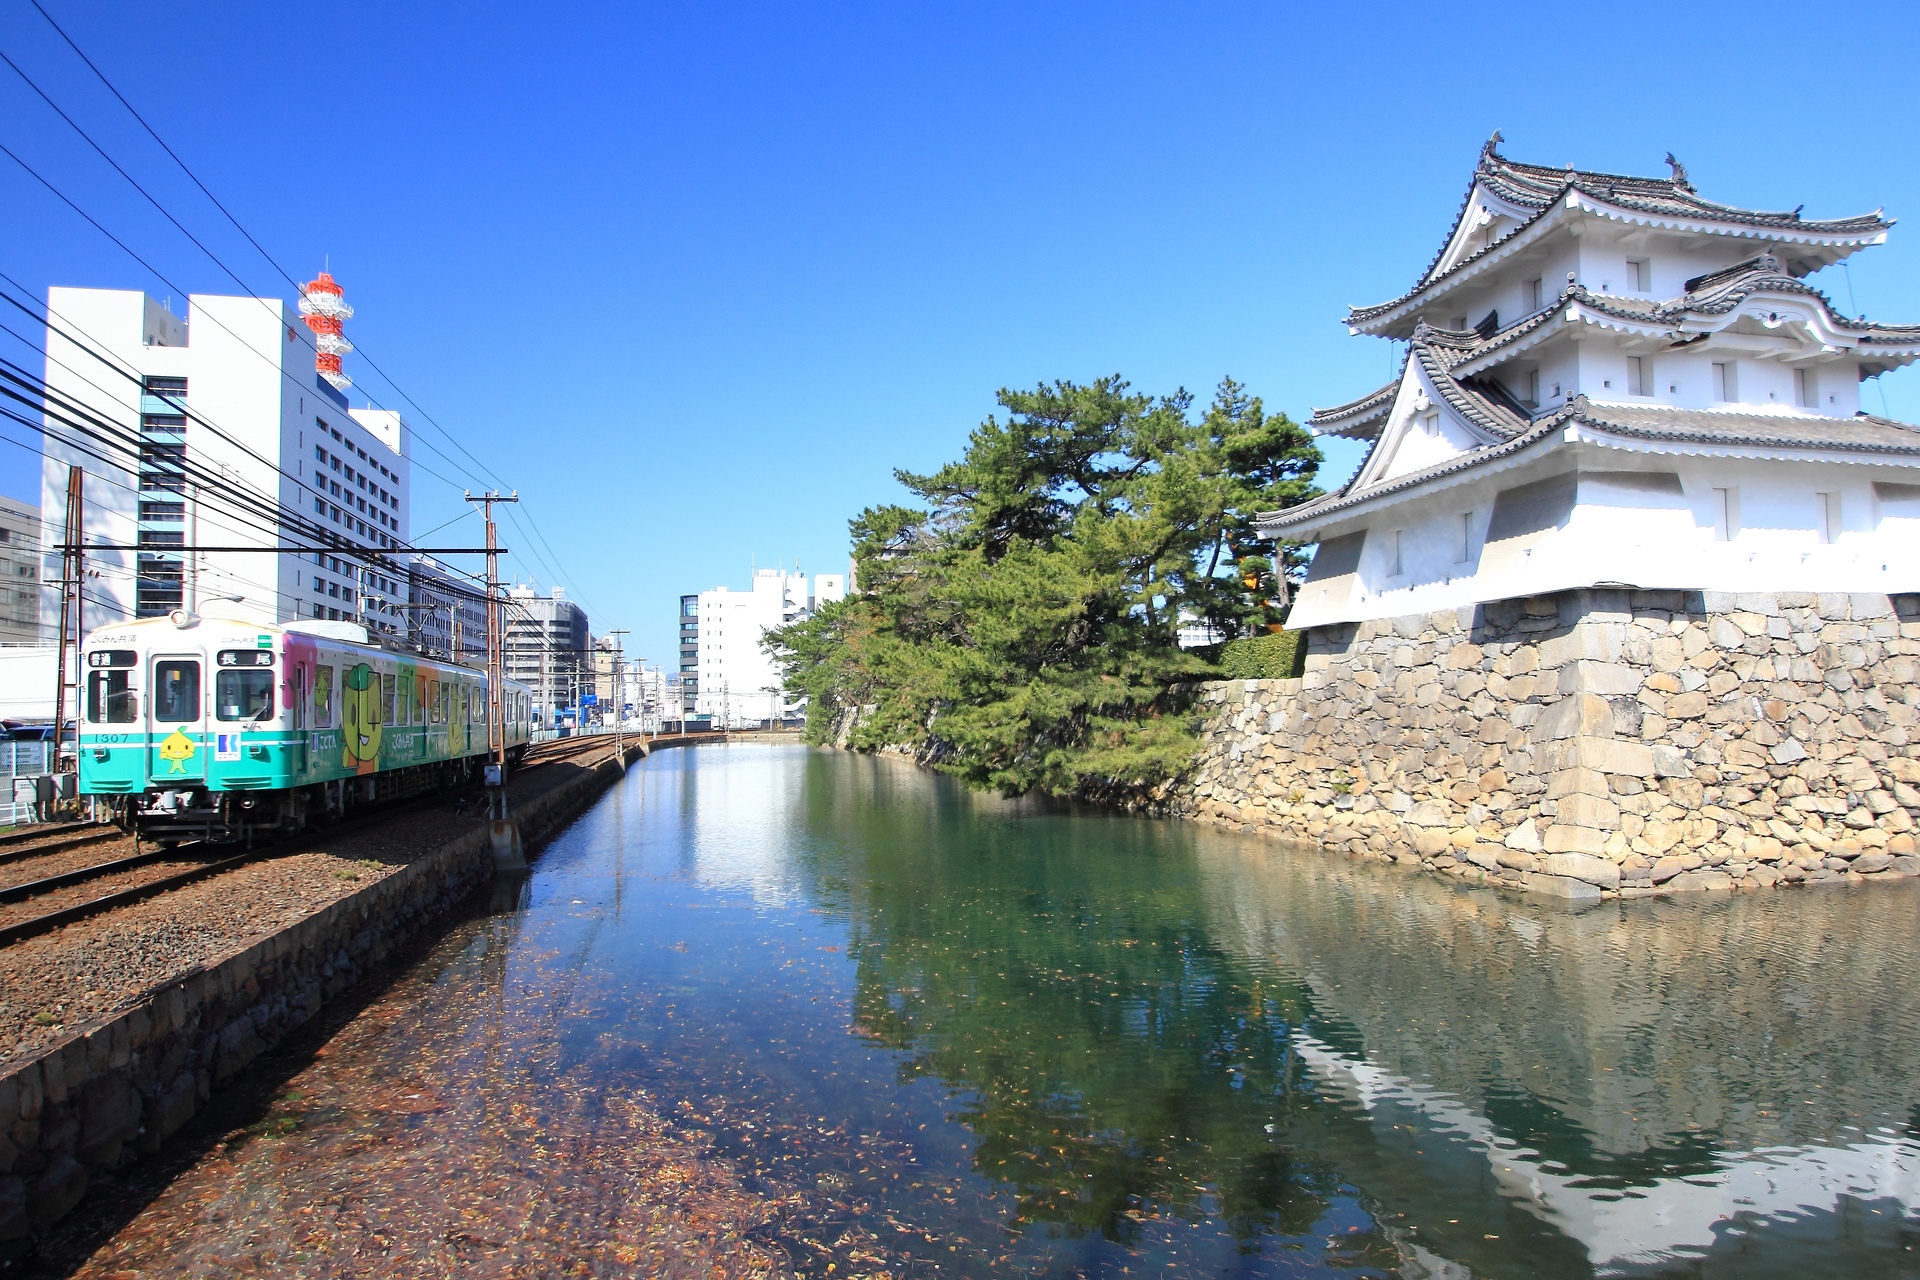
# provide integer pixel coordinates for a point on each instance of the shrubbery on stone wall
(1281, 655)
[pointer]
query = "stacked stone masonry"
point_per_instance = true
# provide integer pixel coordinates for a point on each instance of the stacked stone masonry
(1590, 743)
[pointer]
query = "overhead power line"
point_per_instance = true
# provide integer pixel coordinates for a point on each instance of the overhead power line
(555, 568)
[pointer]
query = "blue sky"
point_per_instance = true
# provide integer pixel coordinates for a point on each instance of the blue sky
(695, 279)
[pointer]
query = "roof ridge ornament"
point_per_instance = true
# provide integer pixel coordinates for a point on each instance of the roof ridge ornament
(1492, 148)
(1680, 181)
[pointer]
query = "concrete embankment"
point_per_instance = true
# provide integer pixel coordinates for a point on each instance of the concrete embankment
(1590, 743)
(111, 1091)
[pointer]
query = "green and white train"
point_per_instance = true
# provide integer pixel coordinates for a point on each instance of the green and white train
(211, 729)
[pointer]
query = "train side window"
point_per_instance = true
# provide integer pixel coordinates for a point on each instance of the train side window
(243, 694)
(387, 684)
(176, 691)
(433, 703)
(299, 700)
(323, 697)
(111, 698)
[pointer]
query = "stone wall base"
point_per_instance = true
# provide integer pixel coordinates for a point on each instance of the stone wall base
(1591, 743)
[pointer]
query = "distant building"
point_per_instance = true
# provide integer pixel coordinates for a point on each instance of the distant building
(546, 646)
(652, 703)
(441, 603)
(738, 683)
(219, 432)
(19, 573)
(687, 685)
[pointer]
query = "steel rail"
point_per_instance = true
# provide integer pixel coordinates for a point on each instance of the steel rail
(61, 844)
(80, 875)
(23, 929)
(41, 830)
(305, 842)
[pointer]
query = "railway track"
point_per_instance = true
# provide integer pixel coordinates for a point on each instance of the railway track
(20, 846)
(176, 867)
(190, 869)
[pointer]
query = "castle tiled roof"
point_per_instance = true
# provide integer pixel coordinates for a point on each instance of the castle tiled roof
(1536, 191)
(1708, 299)
(1683, 429)
(1355, 417)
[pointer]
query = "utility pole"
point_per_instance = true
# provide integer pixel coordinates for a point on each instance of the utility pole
(72, 623)
(619, 704)
(503, 833)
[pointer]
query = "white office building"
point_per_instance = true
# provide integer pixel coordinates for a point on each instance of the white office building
(214, 430)
(739, 683)
(19, 573)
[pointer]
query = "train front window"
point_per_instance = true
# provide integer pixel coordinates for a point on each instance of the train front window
(244, 694)
(111, 698)
(176, 691)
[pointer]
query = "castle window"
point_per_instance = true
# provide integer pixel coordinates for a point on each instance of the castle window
(1806, 388)
(1431, 424)
(1726, 513)
(1393, 550)
(1726, 385)
(1639, 275)
(1533, 389)
(1829, 513)
(1637, 376)
(1463, 541)
(1532, 287)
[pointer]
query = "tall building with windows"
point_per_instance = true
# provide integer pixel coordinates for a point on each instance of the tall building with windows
(19, 573)
(1615, 382)
(447, 614)
(737, 682)
(687, 688)
(214, 431)
(547, 645)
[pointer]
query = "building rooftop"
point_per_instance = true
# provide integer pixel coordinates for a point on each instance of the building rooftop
(1529, 197)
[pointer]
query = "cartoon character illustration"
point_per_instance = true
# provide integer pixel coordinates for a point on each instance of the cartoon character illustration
(456, 719)
(176, 749)
(360, 718)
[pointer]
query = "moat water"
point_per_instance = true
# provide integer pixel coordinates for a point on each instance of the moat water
(935, 1033)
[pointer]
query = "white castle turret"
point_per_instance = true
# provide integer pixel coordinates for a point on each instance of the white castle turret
(1614, 382)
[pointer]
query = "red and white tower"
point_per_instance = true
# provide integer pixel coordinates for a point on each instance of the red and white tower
(324, 307)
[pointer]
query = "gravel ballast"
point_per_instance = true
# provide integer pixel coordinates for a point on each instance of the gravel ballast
(93, 968)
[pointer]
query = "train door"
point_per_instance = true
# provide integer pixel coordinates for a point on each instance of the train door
(177, 707)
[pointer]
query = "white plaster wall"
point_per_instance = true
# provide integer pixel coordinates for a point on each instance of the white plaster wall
(1606, 246)
(1652, 541)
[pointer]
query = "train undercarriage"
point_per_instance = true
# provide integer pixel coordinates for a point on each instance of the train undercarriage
(179, 814)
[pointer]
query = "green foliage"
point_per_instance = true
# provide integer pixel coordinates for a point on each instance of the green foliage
(1023, 624)
(1278, 655)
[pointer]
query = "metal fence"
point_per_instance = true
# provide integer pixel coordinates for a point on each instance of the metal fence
(20, 763)
(25, 759)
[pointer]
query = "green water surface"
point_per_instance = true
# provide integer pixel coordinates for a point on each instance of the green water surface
(951, 1035)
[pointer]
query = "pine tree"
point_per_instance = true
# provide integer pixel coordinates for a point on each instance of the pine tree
(1022, 627)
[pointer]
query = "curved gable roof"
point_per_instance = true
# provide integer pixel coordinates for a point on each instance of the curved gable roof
(1537, 191)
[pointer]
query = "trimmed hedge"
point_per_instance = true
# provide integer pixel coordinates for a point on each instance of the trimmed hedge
(1279, 655)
